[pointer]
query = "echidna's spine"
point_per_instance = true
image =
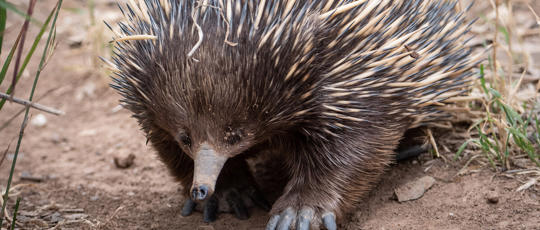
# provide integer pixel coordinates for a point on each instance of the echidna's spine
(410, 53)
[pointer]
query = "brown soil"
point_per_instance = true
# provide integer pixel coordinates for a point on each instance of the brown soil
(83, 189)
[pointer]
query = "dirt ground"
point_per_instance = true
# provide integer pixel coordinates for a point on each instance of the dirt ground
(76, 185)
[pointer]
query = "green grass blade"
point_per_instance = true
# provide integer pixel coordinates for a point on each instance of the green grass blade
(3, 19)
(8, 59)
(13, 223)
(9, 6)
(28, 56)
(462, 148)
(52, 32)
(483, 79)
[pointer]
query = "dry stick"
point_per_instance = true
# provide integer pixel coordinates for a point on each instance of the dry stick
(6, 124)
(537, 23)
(534, 12)
(432, 140)
(32, 104)
(112, 216)
(24, 30)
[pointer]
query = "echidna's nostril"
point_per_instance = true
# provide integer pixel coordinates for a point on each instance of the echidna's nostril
(199, 193)
(203, 192)
(194, 193)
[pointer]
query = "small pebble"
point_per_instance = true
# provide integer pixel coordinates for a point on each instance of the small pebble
(75, 216)
(414, 189)
(39, 120)
(125, 162)
(29, 177)
(492, 198)
(56, 217)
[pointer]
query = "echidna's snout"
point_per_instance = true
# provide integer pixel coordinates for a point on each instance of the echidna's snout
(199, 192)
(208, 165)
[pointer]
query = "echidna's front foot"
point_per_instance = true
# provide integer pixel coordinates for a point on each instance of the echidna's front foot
(304, 218)
(210, 208)
(229, 199)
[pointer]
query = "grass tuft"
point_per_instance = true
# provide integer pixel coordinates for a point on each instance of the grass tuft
(509, 127)
(50, 39)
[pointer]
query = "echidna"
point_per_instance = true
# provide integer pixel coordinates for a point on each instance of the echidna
(328, 87)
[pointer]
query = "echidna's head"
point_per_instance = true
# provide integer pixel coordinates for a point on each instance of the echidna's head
(215, 107)
(205, 105)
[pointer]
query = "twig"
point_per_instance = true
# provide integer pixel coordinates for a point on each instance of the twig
(111, 217)
(200, 34)
(32, 104)
(432, 140)
(535, 15)
(6, 124)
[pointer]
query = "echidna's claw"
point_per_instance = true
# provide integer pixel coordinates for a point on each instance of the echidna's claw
(211, 209)
(410, 152)
(286, 218)
(329, 221)
(189, 206)
(237, 205)
(305, 219)
(258, 198)
(272, 223)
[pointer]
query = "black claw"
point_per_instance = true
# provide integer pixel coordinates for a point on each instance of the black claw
(329, 221)
(304, 218)
(286, 219)
(188, 208)
(272, 223)
(258, 198)
(237, 204)
(210, 210)
(410, 152)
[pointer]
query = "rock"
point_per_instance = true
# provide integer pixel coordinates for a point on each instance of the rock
(88, 90)
(414, 189)
(29, 177)
(57, 138)
(39, 120)
(56, 217)
(76, 216)
(492, 197)
(88, 132)
(523, 163)
(76, 39)
(125, 162)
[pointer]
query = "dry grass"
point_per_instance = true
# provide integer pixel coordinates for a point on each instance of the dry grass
(505, 115)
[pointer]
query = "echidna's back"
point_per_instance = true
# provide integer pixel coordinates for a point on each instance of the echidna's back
(351, 60)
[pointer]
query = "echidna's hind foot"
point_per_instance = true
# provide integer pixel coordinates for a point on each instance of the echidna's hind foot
(412, 145)
(410, 152)
(236, 191)
(303, 219)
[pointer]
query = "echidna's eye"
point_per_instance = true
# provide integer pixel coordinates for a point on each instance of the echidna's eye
(232, 136)
(185, 139)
